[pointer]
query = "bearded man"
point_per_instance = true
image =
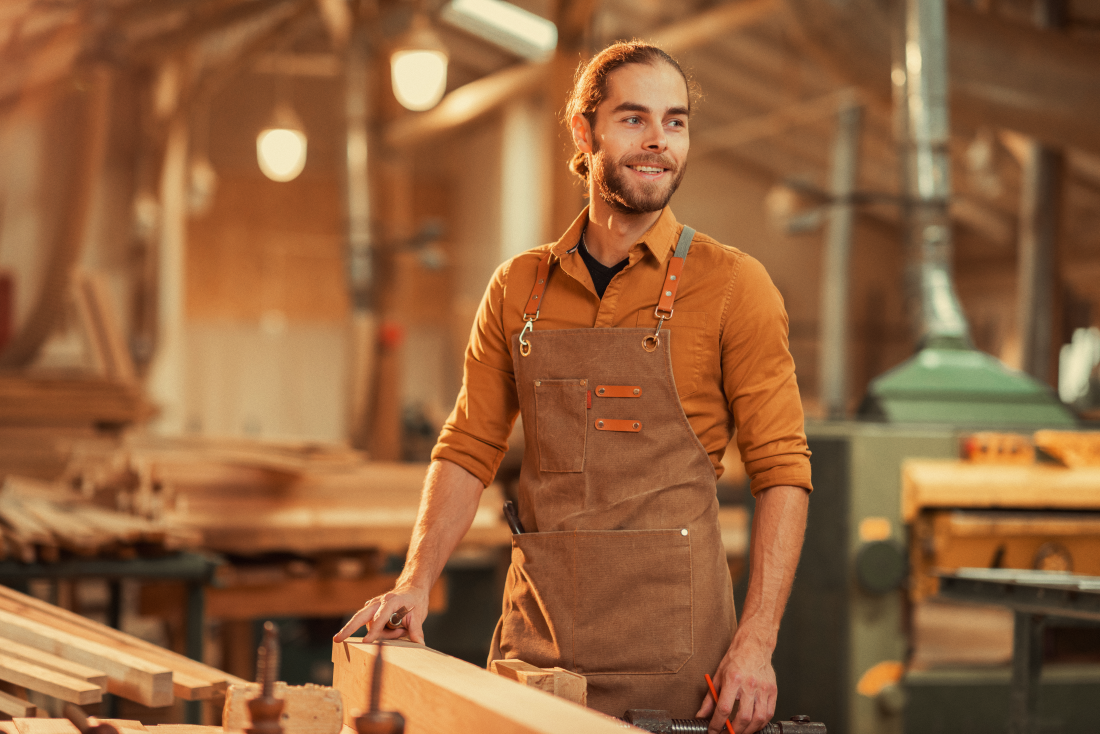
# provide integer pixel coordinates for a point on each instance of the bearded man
(632, 347)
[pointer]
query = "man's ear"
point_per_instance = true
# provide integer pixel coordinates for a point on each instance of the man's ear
(582, 133)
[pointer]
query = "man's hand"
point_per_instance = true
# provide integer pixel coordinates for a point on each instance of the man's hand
(377, 611)
(746, 675)
(447, 508)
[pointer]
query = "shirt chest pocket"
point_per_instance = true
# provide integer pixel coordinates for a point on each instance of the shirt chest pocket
(688, 329)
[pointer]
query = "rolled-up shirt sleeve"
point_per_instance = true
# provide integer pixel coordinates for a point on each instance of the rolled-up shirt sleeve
(475, 435)
(759, 381)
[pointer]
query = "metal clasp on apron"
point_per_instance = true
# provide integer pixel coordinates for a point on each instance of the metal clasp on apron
(524, 345)
(653, 341)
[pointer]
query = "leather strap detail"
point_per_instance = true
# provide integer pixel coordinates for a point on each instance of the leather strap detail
(672, 277)
(618, 391)
(542, 277)
(623, 426)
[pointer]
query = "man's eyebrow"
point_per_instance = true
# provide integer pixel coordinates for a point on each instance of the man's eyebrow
(637, 107)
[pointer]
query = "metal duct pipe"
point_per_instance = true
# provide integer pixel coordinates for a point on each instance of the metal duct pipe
(926, 174)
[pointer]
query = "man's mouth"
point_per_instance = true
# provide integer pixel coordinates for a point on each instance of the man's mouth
(648, 171)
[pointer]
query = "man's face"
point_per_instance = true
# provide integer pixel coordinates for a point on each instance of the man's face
(640, 139)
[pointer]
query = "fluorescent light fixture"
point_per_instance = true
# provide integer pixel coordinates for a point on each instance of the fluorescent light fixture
(419, 78)
(507, 25)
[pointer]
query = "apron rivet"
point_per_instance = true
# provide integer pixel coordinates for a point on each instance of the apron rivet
(538, 383)
(671, 277)
(599, 424)
(601, 391)
(667, 293)
(637, 391)
(636, 425)
(684, 531)
(584, 382)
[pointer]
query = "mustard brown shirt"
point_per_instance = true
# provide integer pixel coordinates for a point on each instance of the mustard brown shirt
(730, 357)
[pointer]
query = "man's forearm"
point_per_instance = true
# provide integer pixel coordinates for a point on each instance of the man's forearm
(447, 508)
(778, 527)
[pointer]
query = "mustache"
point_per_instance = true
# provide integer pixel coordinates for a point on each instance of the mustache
(650, 161)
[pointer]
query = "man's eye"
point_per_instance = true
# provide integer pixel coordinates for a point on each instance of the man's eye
(632, 120)
(677, 123)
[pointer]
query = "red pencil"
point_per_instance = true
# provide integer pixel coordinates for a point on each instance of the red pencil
(714, 693)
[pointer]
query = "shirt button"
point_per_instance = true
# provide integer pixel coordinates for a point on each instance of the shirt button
(667, 293)
(671, 277)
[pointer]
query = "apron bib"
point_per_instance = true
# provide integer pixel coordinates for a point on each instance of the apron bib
(621, 575)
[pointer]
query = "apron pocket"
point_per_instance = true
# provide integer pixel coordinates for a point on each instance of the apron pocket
(633, 605)
(561, 408)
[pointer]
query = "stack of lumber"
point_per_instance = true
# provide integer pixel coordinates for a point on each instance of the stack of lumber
(39, 521)
(124, 726)
(37, 400)
(53, 651)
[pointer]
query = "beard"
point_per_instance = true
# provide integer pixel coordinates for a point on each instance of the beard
(641, 197)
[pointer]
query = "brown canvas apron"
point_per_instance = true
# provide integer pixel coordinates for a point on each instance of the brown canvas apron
(621, 574)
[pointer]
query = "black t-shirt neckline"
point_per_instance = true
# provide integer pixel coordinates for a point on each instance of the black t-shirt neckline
(601, 274)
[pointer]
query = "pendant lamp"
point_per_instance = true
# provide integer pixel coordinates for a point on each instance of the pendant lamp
(418, 67)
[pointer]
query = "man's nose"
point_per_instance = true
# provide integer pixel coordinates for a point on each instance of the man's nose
(656, 141)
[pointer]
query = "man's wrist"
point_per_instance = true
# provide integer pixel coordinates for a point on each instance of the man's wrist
(759, 636)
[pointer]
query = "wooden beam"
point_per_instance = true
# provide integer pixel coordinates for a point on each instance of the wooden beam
(308, 597)
(128, 676)
(53, 662)
(45, 726)
(772, 123)
(710, 25)
(50, 682)
(191, 680)
(13, 706)
(466, 104)
(435, 692)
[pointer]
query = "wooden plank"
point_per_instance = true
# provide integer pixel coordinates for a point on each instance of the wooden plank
(928, 483)
(555, 681)
(53, 662)
(128, 676)
(308, 709)
(435, 692)
(125, 726)
(13, 706)
(107, 332)
(192, 680)
(183, 729)
(45, 726)
(1072, 448)
(310, 597)
(50, 682)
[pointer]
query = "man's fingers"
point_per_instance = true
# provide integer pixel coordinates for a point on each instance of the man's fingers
(742, 723)
(706, 709)
(727, 697)
(415, 626)
(357, 620)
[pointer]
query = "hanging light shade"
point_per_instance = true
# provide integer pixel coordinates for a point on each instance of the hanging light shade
(281, 147)
(418, 67)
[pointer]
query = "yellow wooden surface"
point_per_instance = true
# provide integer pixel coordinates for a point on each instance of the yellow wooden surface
(929, 483)
(438, 693)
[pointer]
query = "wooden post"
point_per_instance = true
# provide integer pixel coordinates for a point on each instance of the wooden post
(1039, 295)
(838, 248)
(166, 378)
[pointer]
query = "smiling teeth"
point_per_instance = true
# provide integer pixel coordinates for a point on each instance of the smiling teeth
(647, 169)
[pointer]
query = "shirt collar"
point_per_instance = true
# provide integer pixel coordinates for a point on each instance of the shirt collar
(660, 239)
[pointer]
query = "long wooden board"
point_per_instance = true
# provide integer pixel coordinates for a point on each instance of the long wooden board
(191, 680)
(438, 693)
(44, 680)
(128, 676)
(13, 706)
(929, 483)
(53, 662)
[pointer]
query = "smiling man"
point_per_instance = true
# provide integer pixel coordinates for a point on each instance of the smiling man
(632, 347)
